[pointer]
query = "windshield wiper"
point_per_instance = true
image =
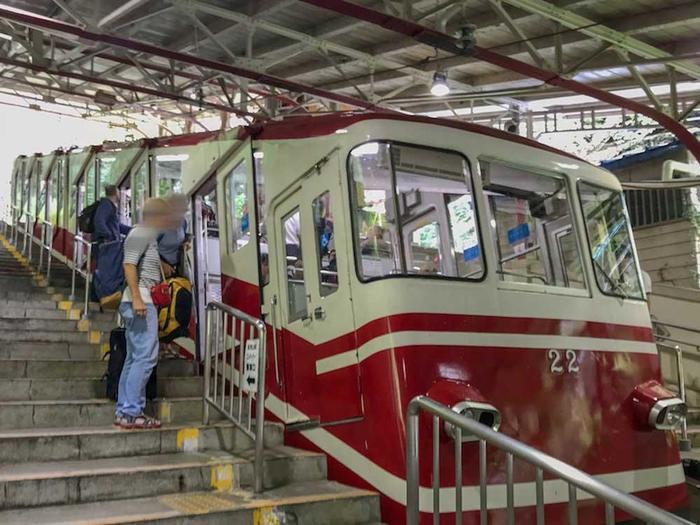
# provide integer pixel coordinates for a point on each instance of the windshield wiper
(616, 285)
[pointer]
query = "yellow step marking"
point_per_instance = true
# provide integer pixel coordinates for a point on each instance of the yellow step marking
(188, 440)
(265, 516)
(222, 477)
(65, 305)
(59, 298)
(72, 314)
(94, 337)
(197, 503)
(84, 325)
(104, 347)
(164, 411)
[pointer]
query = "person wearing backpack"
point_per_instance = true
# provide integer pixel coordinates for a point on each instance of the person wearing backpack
(107, 233)
(144, 275)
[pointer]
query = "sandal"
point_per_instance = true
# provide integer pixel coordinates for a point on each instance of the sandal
(119, 421)
(141, 422)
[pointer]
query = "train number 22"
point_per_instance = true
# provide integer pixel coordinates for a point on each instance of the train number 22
(561, 361)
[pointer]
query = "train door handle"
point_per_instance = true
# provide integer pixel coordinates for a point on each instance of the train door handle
(319, 313)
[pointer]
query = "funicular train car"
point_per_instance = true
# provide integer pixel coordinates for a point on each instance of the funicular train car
(393, 256)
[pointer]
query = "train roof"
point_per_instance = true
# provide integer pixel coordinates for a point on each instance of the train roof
(315, 126)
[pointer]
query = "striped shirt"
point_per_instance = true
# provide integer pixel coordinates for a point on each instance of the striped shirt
(141, 250)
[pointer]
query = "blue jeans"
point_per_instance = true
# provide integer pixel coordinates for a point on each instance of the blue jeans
(141, 357)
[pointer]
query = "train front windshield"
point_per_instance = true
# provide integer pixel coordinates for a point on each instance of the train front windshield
(610, 241)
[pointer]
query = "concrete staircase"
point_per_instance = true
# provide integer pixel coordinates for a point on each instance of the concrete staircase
(62, 461)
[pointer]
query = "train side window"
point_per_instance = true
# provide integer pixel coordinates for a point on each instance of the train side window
(139, 193)
(413, 212)
(325, 244)
(533, 227)
(296, 287)
(237, 199)
(169, 174)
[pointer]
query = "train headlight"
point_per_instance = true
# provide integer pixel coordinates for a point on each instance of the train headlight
(667, 414)
(657, 407)
(484, 413)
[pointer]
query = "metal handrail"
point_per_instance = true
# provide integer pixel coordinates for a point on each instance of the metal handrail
(28, 232)
(576, 479)
(225, 333)
(47, 231)
(16, 215)
(86, 274)
(684, 443)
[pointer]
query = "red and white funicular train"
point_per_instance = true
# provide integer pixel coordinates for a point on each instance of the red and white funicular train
(396, 256)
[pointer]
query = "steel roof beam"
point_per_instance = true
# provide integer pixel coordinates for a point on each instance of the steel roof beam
(120, 11)
(121, 85)
(32, 19)
(595, 30)
(452, 45)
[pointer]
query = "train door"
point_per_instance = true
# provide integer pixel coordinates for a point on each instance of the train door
(311, 260)
(207, 249)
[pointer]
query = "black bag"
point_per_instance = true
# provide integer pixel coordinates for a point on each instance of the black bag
(115, 362)
(86, 219)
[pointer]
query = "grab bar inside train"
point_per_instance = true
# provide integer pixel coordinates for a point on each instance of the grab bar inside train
(234, 374)
(573, 478)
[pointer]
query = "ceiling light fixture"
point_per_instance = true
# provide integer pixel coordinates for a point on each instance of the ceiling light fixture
(440, 87)
(5, 36)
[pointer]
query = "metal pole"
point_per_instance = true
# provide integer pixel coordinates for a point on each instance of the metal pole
(412, 488)
(41, 246)
(436, 470)
(260, 409)
(75, 264)
(207, 367)
(683, 443)
(86, 311)
(458, 476)
(48, 263)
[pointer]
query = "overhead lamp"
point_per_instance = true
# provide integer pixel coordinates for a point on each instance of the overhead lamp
(5, 36)
(440, 87)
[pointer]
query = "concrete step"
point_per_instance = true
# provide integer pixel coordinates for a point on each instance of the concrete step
(48, 310)
(88, 388)
(52, 368)
(11, 300)
(83, 481)
(58, 444)
(29, 350)
(91, 412)
(46, 336)
(73, 368)
(308, 503)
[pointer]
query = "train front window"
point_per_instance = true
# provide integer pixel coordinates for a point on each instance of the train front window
(610, 241)
(533, 229)
(413, 212)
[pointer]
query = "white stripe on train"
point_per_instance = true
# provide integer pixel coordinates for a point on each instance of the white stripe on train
(388, 341)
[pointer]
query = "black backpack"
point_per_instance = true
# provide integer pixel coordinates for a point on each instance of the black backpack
(115, 362)
(86, 219)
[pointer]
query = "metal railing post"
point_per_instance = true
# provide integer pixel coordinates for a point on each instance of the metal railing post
(29, 231)
(207, 366)
(74, 269)
(684, 443)
(412, 465)
(260, 408)
(50, 251)
(41, 245)
(88, 273)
